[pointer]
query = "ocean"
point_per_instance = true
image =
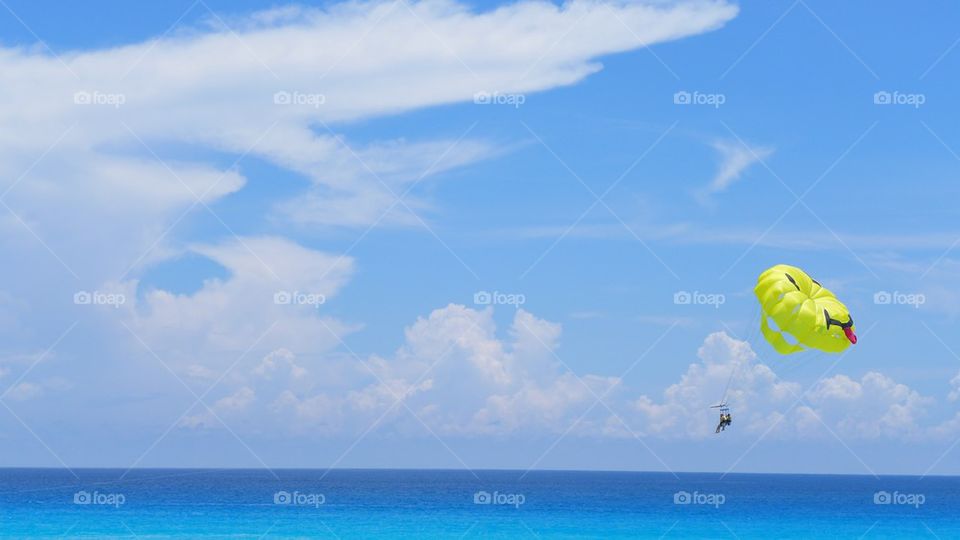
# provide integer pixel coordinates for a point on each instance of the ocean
(347, 503)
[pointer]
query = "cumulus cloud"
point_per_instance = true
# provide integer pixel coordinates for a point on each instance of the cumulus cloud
(452, 373)
(277, 360)
(455, 374)
(954, 388)
(484, 384)
(227, 406)
(273, 298)
(870, 407)
(754, 391)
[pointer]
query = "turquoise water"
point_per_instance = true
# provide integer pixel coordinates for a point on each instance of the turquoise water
(105, 503)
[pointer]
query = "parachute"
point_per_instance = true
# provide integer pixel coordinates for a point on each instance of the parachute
(802, 309)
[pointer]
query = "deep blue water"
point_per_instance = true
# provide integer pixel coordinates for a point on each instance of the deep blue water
(452, 504)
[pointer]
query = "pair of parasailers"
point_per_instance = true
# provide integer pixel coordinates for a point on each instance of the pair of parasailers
(725, 420)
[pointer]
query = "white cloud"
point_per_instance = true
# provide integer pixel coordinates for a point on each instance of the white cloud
(227, 407)
(275, 361)
(204, 332)
(874, 406)
(459, 378)
(871, 407)
(479, 383)
(954, 388)
(238, 401)
(754, 391)
(214, 88)
(318, 413)
(452, 371)
(736, 158)
(24, 391)
(195, 371)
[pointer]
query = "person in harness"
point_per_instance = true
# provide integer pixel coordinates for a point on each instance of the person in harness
(725, 420)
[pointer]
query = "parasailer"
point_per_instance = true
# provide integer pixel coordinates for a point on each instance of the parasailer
(725, 418)
(803, 310)
(796, 313)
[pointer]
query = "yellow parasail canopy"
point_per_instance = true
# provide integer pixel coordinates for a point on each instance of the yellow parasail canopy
(802, 309)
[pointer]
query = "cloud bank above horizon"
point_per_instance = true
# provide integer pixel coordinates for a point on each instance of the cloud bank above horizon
(114, 148)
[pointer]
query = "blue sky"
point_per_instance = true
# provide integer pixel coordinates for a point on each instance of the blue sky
(599, 367)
